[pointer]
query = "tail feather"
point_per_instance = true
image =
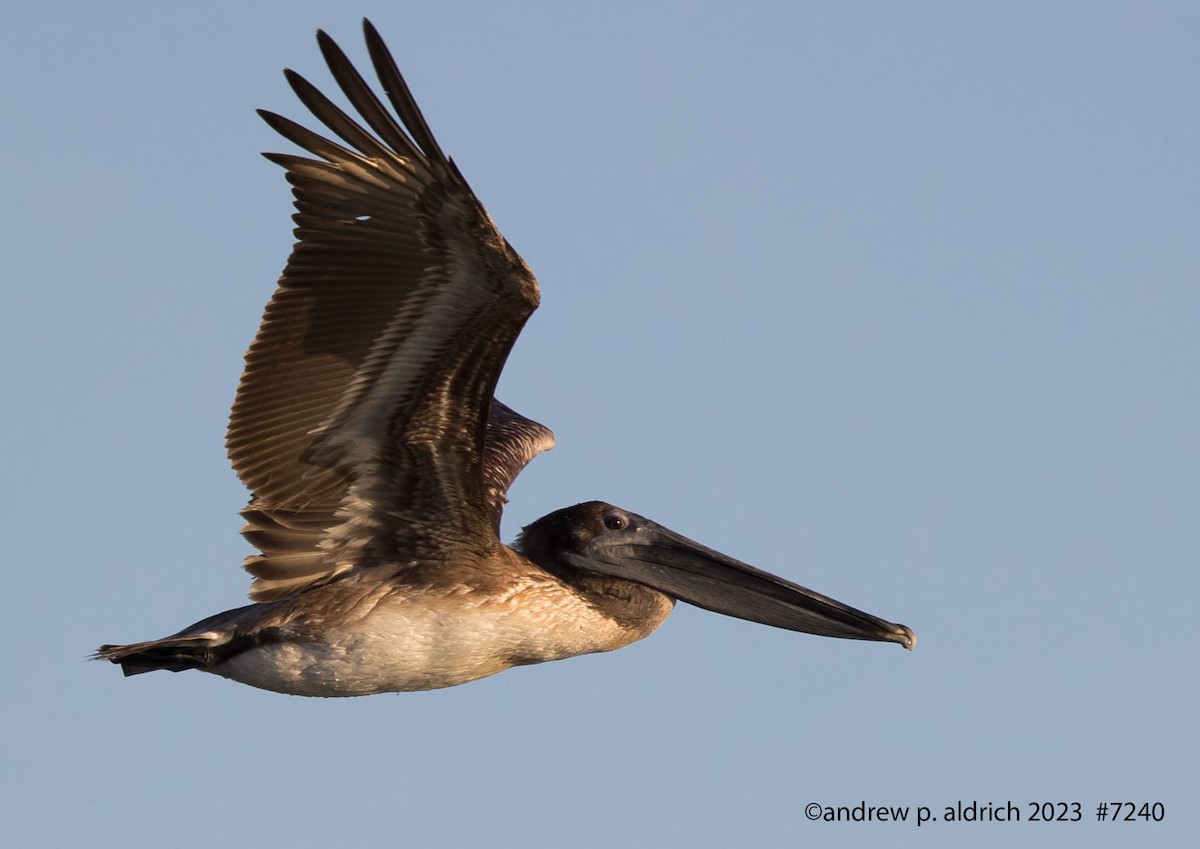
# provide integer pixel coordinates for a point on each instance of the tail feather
(193, 651)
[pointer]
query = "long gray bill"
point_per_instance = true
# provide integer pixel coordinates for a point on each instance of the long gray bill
(687, 570)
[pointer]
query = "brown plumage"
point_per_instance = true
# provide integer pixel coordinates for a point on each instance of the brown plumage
(365, 427)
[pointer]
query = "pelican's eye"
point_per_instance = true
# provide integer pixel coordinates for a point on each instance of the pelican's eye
(615, 522)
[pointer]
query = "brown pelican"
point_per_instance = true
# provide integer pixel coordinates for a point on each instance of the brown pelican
(365, 427)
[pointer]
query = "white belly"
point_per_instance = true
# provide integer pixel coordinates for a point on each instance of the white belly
(405, 646)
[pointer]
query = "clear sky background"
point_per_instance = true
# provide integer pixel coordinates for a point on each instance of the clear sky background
(898, 300)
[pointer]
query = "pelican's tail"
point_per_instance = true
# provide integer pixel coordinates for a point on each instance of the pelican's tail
(190, 651)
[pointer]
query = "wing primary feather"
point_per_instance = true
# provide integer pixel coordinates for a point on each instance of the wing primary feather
(397, 91)
(335, 119)
(307, 139)
(363, 99)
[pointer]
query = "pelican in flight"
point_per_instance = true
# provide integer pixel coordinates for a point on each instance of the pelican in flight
(378, 461)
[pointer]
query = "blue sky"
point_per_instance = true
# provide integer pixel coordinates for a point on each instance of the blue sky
(898, 300)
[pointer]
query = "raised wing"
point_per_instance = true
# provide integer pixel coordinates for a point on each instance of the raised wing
(512, 441)
(361, 420)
